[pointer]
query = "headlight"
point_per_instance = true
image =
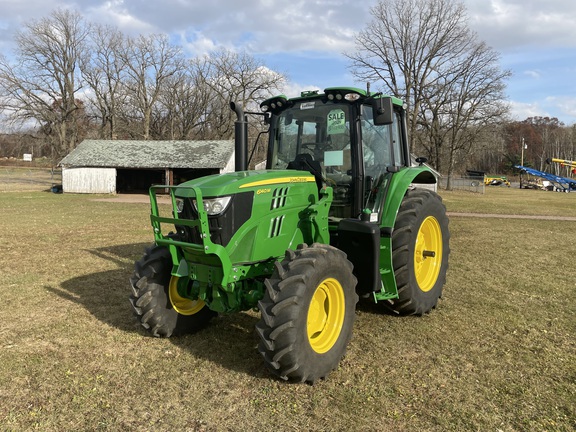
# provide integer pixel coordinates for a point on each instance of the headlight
(214, 206)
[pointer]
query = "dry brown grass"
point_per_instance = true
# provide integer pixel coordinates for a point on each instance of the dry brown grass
(497, 354)
(512, 201)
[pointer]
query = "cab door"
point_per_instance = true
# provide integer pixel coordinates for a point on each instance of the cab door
(382, 155)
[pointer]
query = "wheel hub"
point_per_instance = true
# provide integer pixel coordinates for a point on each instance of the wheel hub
(182, 305)
(326, 315)
(428, 253)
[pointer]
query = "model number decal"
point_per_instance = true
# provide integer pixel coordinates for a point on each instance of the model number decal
(262, 191)
(278, 180)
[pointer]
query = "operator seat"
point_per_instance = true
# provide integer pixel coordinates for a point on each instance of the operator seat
(305, 162)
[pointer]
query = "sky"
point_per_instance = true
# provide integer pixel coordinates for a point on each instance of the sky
(306, 39)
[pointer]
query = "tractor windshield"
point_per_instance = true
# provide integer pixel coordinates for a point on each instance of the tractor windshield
(320, 130)
(315, 136)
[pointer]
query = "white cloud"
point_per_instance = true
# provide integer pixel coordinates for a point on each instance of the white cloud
(532, 74)
(195, 43)
(566, 105)
(522, 110)
(261, 26)
(561, 107)
(114, 12)
(305, 25)
(505, 24)
(293, 89)
(306, 38)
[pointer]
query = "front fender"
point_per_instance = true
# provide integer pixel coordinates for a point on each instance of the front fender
(399, 184)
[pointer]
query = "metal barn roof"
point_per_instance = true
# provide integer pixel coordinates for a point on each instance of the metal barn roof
(150, 154)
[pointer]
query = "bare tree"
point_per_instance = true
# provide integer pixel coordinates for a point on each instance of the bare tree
(466, 96)
(42, 84)
(424, 52)
(237, 77)
(151, 61)
(105, 71)
(180, 112)
(490, 154)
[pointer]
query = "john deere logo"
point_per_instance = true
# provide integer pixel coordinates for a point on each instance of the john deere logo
(262, 191)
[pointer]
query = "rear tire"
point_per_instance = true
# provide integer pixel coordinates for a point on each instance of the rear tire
(153, 293)
(420, 250)
(307, 313)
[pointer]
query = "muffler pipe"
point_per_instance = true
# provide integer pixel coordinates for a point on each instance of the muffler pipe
(240, 138)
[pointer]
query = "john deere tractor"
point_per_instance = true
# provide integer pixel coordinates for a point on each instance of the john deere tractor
(339, 213)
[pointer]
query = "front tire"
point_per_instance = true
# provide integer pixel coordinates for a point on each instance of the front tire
(420, 250)
(307, 313)
(155, 299)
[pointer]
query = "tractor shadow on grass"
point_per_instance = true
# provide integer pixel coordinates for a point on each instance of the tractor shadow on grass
(367, 306)
(105, 294)
(229, 340)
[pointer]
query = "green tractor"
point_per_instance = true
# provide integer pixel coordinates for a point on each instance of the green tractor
(339, 213)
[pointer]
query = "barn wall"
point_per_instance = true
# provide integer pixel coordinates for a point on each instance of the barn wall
(230, 165)
(89, 180)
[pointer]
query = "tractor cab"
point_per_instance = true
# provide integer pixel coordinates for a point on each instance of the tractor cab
(347, 139)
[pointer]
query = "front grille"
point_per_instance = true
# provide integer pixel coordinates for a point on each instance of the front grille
(223, 226)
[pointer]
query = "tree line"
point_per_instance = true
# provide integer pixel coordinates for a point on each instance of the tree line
(70, 79)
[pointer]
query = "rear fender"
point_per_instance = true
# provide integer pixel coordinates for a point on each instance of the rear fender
(399, 185)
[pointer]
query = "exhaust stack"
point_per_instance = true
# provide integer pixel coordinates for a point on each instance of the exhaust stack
(240, 138)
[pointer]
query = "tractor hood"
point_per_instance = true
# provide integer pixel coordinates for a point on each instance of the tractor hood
(243, 181)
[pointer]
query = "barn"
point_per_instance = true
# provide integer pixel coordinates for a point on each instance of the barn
(118, 166)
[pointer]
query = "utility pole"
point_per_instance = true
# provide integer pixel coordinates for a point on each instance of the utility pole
(522, 147)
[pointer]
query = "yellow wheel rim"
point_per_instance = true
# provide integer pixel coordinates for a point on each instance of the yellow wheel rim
(182, 305)
(428, 254)
(326, 315)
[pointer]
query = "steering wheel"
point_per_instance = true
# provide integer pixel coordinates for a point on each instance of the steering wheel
(323, 145)
(317, 149)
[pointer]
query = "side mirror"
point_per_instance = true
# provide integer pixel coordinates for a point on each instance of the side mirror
(382, 111)
(421, 160)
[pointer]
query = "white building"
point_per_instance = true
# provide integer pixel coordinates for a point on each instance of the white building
(115, 166)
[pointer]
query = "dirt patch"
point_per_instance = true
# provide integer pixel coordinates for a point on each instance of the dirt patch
(133, 198)
(508, 216)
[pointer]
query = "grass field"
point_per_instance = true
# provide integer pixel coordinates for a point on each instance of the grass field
(498, 353)
(511, 201)
(19, 179)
